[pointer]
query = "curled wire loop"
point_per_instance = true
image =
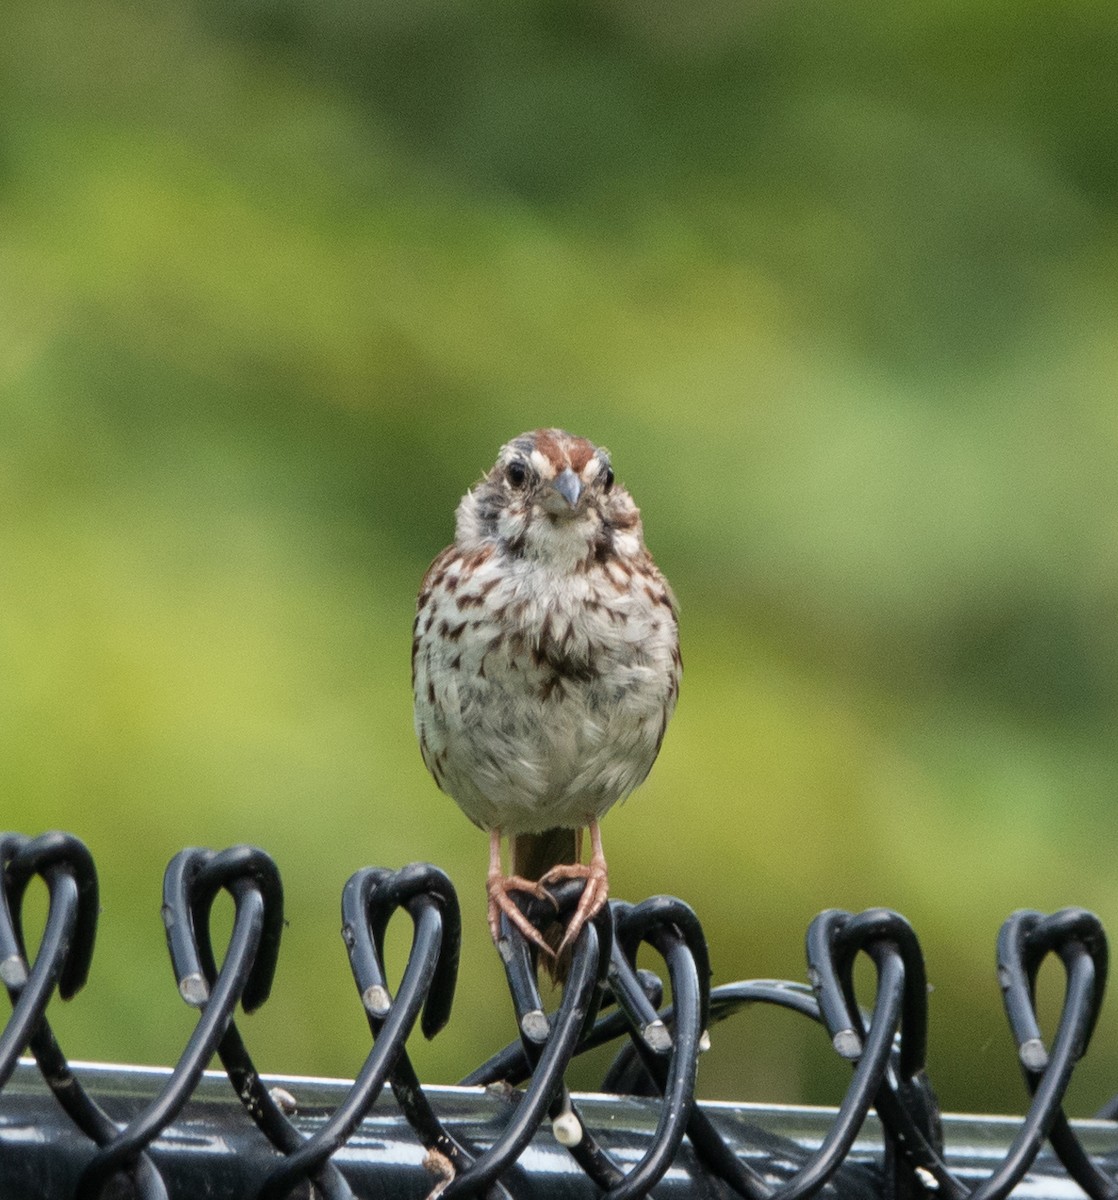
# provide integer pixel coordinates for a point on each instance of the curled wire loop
(668, 1049)
(369, 900)
(191, 883)
(1076, 937)
(193, 880)
(725, 1001)
(63, 960)
(548, 1043)
(903, 1096)
(66, 948)
(833, 941)
(662, 1056)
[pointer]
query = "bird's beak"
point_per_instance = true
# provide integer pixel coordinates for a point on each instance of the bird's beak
(568, 485)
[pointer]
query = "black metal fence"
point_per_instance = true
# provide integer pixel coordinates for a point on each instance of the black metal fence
(95, 1131)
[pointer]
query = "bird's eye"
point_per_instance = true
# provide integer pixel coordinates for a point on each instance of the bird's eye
(607, 479)
(516, 473)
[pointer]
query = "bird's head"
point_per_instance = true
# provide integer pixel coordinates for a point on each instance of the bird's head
(551, 496)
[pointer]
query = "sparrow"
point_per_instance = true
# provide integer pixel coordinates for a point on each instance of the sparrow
(545, 667)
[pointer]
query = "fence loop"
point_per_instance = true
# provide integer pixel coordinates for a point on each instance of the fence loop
(66, 948)
(402, 889)
(1026, 939)
(869, 1049)
(673, 930)
(190, 886)
(878, 931)
(191, 883)
(582, 994)
(666, 917)
(905, 1100)
(1077, 938)
(521, 958)
(521, 962)
(63, 958)
(369, 900)
(21, 859)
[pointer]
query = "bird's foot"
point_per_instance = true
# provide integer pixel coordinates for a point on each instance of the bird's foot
(594, 894)
(497, 888)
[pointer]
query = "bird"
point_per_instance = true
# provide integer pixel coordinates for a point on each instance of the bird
(545, 667)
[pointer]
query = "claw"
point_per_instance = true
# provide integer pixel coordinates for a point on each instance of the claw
(497, 887)
(501, 902)
(595, 892)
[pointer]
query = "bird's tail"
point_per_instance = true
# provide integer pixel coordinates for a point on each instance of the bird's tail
(533, 855)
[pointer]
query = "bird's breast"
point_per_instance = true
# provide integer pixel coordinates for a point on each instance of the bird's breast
(543, 698)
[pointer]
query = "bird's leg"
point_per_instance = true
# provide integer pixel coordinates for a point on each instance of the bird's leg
(594, 894)
(497, 887)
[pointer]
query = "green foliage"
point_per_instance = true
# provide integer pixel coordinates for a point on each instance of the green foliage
(835, 283)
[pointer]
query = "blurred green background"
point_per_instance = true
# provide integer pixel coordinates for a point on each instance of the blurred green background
(835, 282)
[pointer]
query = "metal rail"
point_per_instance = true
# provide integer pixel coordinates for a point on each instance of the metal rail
(212, 1151)
(89, 1131)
